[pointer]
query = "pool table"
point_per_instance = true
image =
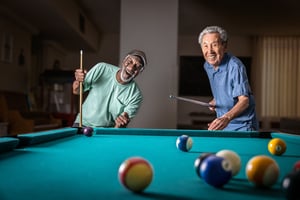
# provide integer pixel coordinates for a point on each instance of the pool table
(62, 164)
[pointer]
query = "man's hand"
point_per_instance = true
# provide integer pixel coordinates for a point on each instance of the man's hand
(122, 120)
(219, 123)
(79, 77)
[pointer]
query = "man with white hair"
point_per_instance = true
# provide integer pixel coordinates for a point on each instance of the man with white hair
(232, 100)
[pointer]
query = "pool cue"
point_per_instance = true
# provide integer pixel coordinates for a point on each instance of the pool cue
(190, 100)
(80, 93)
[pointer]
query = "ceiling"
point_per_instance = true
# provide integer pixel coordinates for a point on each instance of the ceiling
(240, 17)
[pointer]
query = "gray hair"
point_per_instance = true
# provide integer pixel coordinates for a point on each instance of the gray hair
(214, 29)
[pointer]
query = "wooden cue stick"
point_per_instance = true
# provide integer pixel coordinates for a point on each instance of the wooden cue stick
(80, 93)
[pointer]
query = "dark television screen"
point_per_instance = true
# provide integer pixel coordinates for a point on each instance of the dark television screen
(193, 80)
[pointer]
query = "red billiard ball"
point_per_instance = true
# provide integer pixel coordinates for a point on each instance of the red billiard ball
(216, 171)
(199, 161)
(296, 166)
(184, 143)
(88, 131)
(262, 171)
(135, 174)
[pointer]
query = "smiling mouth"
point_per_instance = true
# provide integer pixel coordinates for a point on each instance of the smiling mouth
(128, 72)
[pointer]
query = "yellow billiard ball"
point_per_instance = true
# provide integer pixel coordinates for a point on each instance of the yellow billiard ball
(135, 174)
(262, 171)
(277, 146)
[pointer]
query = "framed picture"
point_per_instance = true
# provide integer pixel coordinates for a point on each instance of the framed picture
(7, 48)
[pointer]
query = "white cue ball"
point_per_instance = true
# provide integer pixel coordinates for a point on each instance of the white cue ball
(233, 158)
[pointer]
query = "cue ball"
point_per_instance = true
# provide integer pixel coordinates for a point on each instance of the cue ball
(233, 158)
(88, 131)
(199, 161)
(276, 146)
(135, 174)
(216, 171)
(262, 171)
(290, 185)
(184, 143)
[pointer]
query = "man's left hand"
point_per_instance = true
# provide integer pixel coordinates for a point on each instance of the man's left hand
(122, 120)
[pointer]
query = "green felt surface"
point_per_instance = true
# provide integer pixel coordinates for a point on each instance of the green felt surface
(80, 167)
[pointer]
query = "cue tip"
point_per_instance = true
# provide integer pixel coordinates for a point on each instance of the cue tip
(81, 51)
(171, 96)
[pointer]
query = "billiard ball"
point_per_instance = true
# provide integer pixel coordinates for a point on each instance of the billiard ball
(88, 131)
(199, 161)
(290, 185)
(216, 171)
(233, 158)
(184, 143)
(277, 146)
(296, 166)
(135, 174)
(262, 171)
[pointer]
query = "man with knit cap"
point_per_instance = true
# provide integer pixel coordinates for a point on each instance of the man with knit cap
(113, 96)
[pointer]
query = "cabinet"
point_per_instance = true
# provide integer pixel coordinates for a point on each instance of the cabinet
(57, 96)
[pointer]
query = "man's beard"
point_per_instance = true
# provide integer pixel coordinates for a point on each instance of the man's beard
(122, 76)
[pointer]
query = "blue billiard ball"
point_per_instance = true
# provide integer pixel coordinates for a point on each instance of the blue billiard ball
(88, 131)
(184, 143)
(216, 171)
(199, 161)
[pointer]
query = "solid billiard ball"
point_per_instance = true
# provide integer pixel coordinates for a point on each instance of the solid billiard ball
(262, 171)
(88, 131)
(277, 146)
(216, 171)
(290, 185)
(233, 158)
(199, 161)
(135, 174)
(184, 143)
(296, 166)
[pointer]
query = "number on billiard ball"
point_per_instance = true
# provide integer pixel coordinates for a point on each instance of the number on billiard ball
(216, 171)
(88, 131)
(277, 146)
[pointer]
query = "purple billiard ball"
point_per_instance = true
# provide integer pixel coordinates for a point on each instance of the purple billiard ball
(88, 131)
(216, 171)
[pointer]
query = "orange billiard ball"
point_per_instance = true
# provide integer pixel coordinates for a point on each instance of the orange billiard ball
(135, 174)
(262, 171)
(277, 146)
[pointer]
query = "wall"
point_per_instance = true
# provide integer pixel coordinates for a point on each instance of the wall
(156, 34)
(14, 75)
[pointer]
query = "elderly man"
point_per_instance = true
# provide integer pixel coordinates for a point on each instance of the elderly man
(232, 100)
(113, 96)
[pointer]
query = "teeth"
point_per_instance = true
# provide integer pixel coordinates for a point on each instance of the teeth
(128, 72)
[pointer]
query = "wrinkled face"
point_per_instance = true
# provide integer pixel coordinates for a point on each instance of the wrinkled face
(213, 49)
(131, 67)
